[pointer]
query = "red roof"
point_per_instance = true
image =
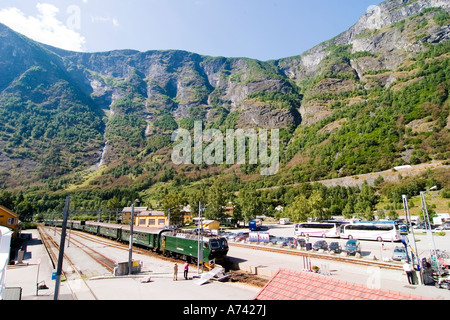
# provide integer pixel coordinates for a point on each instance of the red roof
(292, 285)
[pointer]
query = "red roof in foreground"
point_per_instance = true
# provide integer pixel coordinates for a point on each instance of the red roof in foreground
(292, 285)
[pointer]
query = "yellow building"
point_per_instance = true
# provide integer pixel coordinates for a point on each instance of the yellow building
(211, 225)
(151, 219)
(10, 220)
(126, 213)
(208, 224)
(146, 217)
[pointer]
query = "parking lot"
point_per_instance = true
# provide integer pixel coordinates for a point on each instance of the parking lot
(369, 249)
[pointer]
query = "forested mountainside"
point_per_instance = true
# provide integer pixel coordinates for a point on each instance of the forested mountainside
(100, 124)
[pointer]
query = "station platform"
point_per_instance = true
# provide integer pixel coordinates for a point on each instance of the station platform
(135, 287)
(35, 270)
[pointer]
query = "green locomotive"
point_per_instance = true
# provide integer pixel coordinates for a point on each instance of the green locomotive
(185, 246)
(180, 244)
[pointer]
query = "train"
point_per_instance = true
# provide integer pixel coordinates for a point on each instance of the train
(176, 243)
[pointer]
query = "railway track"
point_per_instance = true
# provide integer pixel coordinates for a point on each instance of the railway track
(52, 248)
(97, 256)
(235, 275)
(336, 258)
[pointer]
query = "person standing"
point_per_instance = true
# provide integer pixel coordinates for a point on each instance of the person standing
(409, 272)
(186, 270)
(175, 272)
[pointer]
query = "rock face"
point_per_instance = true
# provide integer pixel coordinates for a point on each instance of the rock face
(177, 81)
(266, 118)
(383, 39)
(90, 108)
(374, 33)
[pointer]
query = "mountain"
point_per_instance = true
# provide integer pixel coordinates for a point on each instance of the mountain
(370, 98)
(375, 95)
(46, 118)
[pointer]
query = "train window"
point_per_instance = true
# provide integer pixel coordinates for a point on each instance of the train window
(214, 244)
(205, 245)
(223, 243)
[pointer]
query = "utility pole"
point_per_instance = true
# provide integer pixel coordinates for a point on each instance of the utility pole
(61, 249)
(409, 224)
(429, 233)
(130, 250)
(200, 237)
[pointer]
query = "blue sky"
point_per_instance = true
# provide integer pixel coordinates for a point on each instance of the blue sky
(260, 29)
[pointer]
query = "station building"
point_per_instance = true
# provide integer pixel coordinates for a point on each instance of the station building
(146, 217)
(151, 219)
(9, 220)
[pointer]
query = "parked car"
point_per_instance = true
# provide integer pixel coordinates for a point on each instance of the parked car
(242, 237)
(432, 228)
(282, 241)
(274, 239)
(353, 246)
(335, 247)
(420, 225)
(321, 244)
(233, 236)
(301, 243)
(287, 241)
(225, 234)
(403, 229)
(399, 254)
(444, 259)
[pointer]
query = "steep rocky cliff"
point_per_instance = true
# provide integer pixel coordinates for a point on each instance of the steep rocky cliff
(376, 32)
(64, 112)
(384, 39)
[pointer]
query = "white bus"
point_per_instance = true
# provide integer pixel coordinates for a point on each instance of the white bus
(318, 229)
(372, 231)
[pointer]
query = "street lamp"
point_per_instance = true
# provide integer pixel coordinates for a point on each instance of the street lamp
(429, 233)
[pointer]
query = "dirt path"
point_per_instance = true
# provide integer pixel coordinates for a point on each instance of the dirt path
(391, 175)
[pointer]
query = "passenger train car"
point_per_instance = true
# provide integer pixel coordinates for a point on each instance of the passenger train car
(177, 243)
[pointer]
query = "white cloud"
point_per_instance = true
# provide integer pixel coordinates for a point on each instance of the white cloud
(44, 27)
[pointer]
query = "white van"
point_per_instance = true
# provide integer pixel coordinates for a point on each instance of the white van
(285, 221)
